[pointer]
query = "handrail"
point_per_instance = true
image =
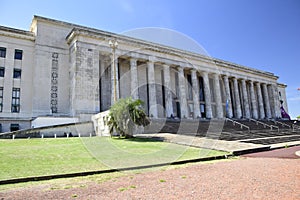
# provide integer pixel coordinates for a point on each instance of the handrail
(264, 124)
(235, 122)
(295, 126)
(282, 124)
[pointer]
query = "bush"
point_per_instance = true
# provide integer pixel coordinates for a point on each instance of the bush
(125, 115)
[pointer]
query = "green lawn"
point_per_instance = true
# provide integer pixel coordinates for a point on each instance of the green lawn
(34, 157)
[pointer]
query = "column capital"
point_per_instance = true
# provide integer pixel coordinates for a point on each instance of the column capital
(216, 75)
(204, 73)
(257, 83)
(150, 63)
(133, 61)
(152, 59)
(235, 78)
(225, 76)
(193, 70)
(166, 66)
(180, 69)
(134, 55)
(264, 84)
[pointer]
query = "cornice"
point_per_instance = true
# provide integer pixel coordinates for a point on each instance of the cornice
(282, 85)
(141, 44)
(16, 33)
(78, 30)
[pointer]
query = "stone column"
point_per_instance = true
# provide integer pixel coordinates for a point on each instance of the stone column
(260, 102)
(182, 90)
(168, 94)
(253, 101)
(134, 79)
(195, 94)
(207, 95)
(237, 99)
(266, 101)
(114, 75)
(152, 90)
(276, 101)
(245, 99)
(228, 98)
(217, 90)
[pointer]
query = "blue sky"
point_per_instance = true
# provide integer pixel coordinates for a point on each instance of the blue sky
(262, 34)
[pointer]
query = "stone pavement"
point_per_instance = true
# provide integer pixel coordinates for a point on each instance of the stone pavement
(234, 147)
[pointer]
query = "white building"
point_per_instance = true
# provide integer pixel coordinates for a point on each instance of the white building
(59, 69)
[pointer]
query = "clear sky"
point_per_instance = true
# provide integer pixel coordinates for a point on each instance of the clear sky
(262, 34)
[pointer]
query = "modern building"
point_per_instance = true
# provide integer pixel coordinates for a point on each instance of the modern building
(63, 70)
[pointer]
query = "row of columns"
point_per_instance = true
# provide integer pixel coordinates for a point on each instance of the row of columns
(262, 108)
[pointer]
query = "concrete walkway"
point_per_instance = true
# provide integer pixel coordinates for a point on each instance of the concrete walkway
(234, 147)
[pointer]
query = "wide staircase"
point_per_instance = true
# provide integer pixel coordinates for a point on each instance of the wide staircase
(243, 130)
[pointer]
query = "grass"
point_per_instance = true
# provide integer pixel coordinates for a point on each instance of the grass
(36, 157)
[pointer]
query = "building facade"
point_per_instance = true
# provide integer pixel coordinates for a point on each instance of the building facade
(61, 69)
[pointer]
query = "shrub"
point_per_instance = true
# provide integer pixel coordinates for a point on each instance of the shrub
(125, 115)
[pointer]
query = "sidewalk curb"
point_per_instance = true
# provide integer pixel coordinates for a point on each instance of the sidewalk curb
(251, 150)
(78, 174)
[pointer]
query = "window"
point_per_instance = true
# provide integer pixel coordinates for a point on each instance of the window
(18, 54)
(1, 99)
(2, 71)
(17, 73)
(2, 52)
(15, 104)
(14, 127)
(0, 128)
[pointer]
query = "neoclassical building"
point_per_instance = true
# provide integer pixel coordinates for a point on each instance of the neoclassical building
(69, 71)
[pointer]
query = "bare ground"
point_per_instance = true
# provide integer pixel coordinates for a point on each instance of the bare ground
(245, 178)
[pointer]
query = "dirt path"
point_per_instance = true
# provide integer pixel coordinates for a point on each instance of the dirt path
(246, 178)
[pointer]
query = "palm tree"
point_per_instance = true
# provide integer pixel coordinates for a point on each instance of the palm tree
(125, 115)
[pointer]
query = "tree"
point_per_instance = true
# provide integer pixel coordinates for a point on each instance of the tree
(125, 115)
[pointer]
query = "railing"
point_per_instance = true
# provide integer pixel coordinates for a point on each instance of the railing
(238, 123)
(295, 127)
(264, 124)
(282, 124)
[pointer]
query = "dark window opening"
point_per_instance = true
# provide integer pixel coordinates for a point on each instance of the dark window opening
(2, 52)
(1, 99)
(15, 104)
(17, 73)
(2, 71)
(18, 54)
(14, 127)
